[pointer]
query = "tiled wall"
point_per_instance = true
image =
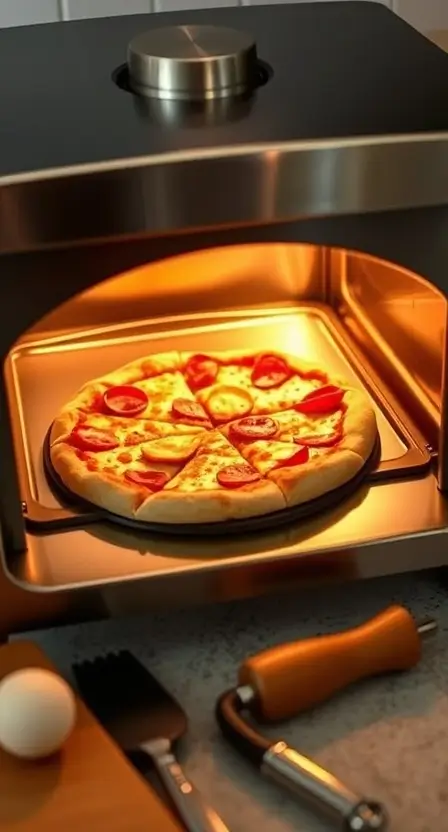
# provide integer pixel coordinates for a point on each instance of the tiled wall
(423, 14)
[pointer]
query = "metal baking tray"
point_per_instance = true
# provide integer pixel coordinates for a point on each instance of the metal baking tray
(43, 374)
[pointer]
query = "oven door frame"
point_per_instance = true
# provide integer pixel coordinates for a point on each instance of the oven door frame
(384, 195)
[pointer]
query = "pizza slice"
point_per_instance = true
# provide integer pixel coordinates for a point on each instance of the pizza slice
(328, 417)
(312, 450)
(216, 485)
(302, 473)
(120, 477)
(343, 418)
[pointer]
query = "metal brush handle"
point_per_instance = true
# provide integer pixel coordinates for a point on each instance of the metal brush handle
(197, 815)
(305, 778)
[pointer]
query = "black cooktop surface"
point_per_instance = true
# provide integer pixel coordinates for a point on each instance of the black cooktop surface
(345, 68)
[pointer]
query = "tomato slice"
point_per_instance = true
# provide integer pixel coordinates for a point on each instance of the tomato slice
(189, 409)
(270, 371)
(235, 476)
(325, 399)
(254, 427)
(125, 400)
(201, 371)
(298, 458)
(91, 439)
(154, 480)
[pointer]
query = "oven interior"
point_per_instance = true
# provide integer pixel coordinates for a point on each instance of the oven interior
(370, 321)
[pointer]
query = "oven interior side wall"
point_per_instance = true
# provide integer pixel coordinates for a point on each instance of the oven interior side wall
(236, 277)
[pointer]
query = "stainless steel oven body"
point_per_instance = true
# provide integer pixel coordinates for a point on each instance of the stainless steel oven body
(310, 214)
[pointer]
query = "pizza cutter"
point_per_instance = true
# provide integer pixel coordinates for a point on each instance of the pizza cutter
(286, 680)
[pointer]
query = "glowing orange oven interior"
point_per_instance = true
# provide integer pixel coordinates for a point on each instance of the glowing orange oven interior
(365, 319)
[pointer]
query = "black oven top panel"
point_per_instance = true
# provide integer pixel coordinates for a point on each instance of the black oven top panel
(339, 69)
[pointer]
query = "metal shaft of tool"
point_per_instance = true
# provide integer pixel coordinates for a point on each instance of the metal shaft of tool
(427, 628)
(312, 783)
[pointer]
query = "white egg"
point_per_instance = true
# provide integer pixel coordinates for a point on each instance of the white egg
(37, 713)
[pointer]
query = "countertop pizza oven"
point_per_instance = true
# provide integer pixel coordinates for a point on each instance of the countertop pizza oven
(266, 178)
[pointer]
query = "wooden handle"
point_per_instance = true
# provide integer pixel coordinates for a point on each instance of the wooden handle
(291, 678)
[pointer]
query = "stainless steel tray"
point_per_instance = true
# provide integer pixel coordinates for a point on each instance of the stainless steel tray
(43, 374)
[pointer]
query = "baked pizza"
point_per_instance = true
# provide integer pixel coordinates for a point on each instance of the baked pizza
(193, 438)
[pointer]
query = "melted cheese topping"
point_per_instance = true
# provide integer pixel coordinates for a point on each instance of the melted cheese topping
(116, 462)
(264, 455)
(264, 401)
(279, 398)
(200, 473)
(135, 431)
(161, 390)
(293, 424)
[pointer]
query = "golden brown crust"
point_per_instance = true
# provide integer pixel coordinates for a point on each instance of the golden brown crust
(63, 425)
(359, 424)
(141, 368)
(72, 412)
(96, 487)
(212, 506)
(323, 473)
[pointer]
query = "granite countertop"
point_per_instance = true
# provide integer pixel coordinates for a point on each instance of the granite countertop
(387, 738)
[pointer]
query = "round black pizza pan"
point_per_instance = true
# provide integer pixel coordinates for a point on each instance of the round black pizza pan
(83, 513)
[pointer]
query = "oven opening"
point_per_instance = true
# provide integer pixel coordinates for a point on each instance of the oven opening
(362, 319)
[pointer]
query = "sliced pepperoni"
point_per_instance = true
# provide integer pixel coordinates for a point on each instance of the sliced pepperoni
(154, 480)
(245, 361)
(235, 476)
(254, 427)
(325, 399)
(320, 440)
(125, 400)
(201, 371)
(298, 458)
(270, 371)
(91, 439)
(186, 408)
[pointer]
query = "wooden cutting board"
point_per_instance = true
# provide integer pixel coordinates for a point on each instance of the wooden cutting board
(89, 786)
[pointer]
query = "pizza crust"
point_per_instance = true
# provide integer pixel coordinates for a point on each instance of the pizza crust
(322, 474)
(359, 424)
(141, 368)
(96, 487)
(211, 506)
